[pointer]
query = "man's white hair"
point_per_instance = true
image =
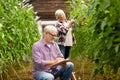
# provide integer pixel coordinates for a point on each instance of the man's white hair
(58, 13)
(50, 28)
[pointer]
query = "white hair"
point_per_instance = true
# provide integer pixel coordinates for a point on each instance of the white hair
(58, 13)
(50, 28)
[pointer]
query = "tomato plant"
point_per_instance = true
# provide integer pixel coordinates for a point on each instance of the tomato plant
(18, 31)
(99, 37)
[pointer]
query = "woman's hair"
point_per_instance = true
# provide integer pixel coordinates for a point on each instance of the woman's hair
(58, 13)
(50, 28)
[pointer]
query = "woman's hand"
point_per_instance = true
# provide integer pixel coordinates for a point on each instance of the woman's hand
(72, 21)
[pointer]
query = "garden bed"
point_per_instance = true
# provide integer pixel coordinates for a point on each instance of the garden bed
(83, 71)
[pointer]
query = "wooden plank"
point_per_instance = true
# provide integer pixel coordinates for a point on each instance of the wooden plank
(47, 8)
(48, 0)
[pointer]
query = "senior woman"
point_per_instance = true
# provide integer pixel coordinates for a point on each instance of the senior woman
(65, 35)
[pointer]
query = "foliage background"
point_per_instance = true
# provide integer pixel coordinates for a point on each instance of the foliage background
(18, 31)
(99, 36)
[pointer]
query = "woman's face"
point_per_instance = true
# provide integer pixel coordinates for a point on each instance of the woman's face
(62, 17)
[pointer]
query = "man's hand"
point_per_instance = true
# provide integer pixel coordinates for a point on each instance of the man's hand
(59, 60)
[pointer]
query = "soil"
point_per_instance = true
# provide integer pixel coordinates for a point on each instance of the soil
(82, 71)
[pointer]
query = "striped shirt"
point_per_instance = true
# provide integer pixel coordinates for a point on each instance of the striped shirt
(62, 31)
(65, 35)
(41, 52)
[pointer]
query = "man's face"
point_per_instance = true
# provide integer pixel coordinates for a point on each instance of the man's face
(51, 36)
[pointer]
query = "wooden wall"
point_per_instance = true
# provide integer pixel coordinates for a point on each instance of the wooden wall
(46, 8)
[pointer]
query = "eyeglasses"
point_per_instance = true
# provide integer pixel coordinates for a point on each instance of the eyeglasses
(54, 35)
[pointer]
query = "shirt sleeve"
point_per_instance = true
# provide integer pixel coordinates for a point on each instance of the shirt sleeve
(37, 57)
(61, 29)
